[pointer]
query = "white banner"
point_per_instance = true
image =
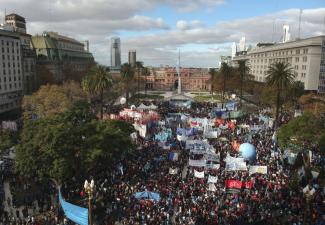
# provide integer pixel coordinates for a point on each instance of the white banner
(197, 163)
(199, 174)
(212, 187)
(235, 166)
(257, 169)
(173, 171)
(212, 166)
(212, 179)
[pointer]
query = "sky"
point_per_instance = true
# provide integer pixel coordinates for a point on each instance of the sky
(203, 30)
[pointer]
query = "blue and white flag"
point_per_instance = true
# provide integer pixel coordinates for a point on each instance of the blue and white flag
(75, 213)
(173, 156)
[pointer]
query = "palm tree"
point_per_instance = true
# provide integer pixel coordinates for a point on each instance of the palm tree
(127, 73)
(244, 70)
(212, 72)
(280, 76)
(139, 66)
(96, 82)
(225, 71)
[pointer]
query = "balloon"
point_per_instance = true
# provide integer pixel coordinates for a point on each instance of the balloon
(248, 151)
(122, 101)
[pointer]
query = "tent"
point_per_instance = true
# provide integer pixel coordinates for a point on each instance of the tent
(147, 195)
(152, 106)
(143, 107)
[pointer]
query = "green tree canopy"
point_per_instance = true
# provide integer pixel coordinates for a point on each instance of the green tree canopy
(300, 130)
(8, 139)
(97, 82)
(52, 99)
(73, 143)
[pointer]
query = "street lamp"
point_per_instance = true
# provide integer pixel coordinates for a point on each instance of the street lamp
(89, 189)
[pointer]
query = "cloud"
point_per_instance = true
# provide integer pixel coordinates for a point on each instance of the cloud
(185, 25)
(97, 20)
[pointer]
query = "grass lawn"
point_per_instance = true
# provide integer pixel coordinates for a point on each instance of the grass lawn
(149, 96)
(203, 98)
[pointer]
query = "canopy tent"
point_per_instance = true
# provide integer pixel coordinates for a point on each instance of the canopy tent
(147, 195)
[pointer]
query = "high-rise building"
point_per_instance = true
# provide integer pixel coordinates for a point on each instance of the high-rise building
(115, 53)
(242, 44)
(132, 57)
(233, 50)
(306, 57)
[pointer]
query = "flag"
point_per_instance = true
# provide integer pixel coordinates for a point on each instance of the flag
(75, 213)
(173, 156)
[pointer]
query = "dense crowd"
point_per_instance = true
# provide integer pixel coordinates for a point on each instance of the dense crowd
(186, 199)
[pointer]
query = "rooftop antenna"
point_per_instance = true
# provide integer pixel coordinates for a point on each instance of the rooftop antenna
(4, 18)
(324, 26)
(299, 28)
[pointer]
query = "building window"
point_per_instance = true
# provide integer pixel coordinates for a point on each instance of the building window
(304, 59)
(297, 59)
(298, 51)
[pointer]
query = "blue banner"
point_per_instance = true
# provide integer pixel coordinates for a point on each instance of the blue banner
(75, 213)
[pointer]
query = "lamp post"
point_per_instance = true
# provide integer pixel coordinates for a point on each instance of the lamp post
(89, 189)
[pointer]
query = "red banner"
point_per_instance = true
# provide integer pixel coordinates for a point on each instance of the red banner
(234, 184)
(249, 184)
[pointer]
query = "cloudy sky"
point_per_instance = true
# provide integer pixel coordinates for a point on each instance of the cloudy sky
(203, 29)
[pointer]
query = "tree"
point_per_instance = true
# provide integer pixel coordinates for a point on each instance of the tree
(127, 73)
(213, 74)
(44, 76)
(96, 82)
(139, 67)
(225, 72)
(301, 130)
(280, 75)
(71, 144)
(244, 70)
(312, 103)
(8, 139)
(52, 99)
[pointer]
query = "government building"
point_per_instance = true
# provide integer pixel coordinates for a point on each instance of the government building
(166, 79)
(306, 56)
(58, 53)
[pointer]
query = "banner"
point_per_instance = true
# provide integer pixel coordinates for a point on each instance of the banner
(212, 157)
(236, 166)
(248, 184)
(75, 213)
(212, 179)
(212, 187)
(257, 169)
(197, 163)
(199, 174)
(211, 165)
(173, 171)
(234, 184)
(173, 156)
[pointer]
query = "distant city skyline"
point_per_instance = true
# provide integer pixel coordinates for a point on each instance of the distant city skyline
(203, 30)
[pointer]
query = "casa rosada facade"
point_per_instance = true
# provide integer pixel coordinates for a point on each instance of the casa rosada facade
(166, 79)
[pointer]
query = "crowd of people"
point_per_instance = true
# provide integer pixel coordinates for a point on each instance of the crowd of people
(185, 199)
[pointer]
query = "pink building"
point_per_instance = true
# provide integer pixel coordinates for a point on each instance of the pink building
(166, 79)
